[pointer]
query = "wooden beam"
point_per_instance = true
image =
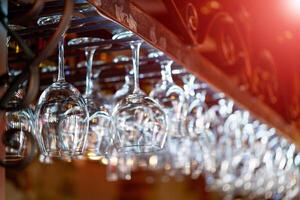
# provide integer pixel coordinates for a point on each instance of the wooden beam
(3, 68)
(195, 59)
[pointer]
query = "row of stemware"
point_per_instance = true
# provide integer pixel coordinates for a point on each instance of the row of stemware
(189, 130)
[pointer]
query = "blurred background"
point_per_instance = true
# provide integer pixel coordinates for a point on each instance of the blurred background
(83, 180)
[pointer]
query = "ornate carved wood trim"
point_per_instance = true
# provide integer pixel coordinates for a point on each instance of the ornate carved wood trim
(219, 51)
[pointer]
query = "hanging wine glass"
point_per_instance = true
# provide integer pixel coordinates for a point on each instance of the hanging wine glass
(99, 135)
(18, 124)
(195, 122)
(172, 98)
(61, 113)
(139, 121)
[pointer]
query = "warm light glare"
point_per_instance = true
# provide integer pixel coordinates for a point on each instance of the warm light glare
(93, 156)
(129, 162)
(104, 161)
(153, 161)
(293, 7)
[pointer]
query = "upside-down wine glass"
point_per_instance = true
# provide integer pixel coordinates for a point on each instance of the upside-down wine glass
(61, 123)
(172, 98)
(195, 122)
(99, 134)
(21, 122)
(139, 121)
(18, 124)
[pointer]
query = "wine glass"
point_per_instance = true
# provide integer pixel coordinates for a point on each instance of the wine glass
(139, 121)
(99, 135)
(61, 123)
(195, 122)
(172, 98)
(21, 123)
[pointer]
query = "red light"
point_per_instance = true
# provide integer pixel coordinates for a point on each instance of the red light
(293, 8)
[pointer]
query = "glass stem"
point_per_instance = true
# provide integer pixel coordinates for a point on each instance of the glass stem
(61, 60)
(166, 71)
(89, 54)
(135, 47)
(129, 78)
